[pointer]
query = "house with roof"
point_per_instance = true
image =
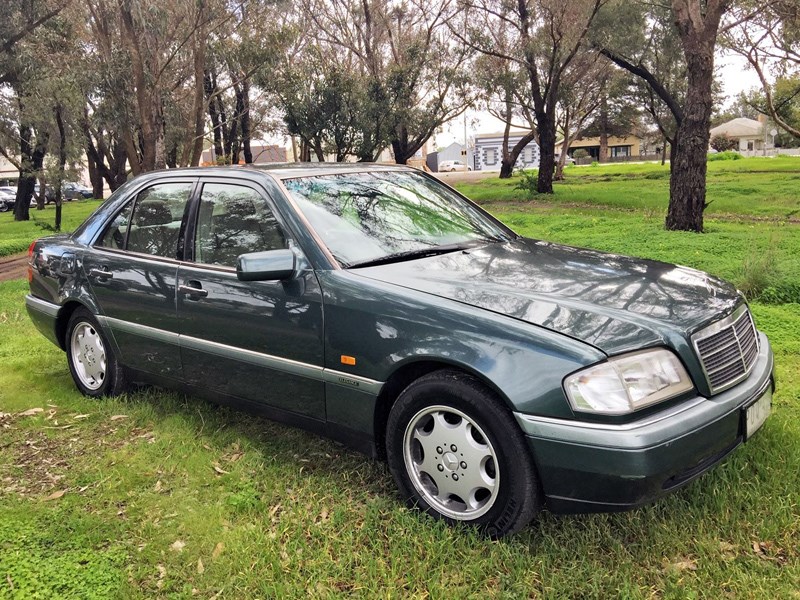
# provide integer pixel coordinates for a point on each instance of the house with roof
(488, 152)
(748, 133)
(618, 147)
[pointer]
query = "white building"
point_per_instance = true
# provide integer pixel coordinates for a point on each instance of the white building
(489, 152)
(748, 133)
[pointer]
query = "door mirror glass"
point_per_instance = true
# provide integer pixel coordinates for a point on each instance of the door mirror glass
(271, 265)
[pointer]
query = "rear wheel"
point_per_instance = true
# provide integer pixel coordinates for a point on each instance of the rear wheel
(92, 362)
(456, 452)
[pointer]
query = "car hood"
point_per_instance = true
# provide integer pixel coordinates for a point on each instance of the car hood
(616, 303)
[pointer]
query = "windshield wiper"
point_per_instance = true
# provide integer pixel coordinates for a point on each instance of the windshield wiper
(411, 255)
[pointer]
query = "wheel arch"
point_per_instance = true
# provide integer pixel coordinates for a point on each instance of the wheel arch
(403, 376)
(62, 320)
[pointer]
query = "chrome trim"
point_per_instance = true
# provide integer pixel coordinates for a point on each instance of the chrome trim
(42, 306)
(286, 365)
(160, 335)
(667, 414)
(250, 356)
(715, 328)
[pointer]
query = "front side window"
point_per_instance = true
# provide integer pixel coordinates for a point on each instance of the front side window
(369, 217)
(233, 220)
(157, 216)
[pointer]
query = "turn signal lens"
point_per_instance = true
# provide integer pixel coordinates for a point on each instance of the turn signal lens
(348, 360)
(30, 260)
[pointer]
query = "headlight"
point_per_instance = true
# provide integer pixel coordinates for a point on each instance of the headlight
(627, 383)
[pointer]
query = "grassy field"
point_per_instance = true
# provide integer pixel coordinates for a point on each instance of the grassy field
(16, 236)
(757, 187)
(157, 494)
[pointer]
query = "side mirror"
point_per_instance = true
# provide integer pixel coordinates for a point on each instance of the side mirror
(270, 265)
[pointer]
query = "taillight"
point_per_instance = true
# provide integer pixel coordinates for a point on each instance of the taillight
(30, 260)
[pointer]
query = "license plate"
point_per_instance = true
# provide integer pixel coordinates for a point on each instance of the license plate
(757, 413)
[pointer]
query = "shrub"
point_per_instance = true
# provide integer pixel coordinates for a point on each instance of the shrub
(759, 270)
(724, 156)
(580, 153)
(595, 163)
(722, 143)
(528, 181)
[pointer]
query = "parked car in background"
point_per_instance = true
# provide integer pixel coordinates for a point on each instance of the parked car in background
(8, 199)
(49, 193)
(453, 165)
(72, 191)
(376, 305)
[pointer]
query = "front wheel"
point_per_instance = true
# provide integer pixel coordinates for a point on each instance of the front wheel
(456, 452)
(92, 362)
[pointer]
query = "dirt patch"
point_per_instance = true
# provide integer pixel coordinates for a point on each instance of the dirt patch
(13, 267)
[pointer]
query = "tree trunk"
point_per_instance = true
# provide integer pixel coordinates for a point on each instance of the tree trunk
(246, 132)
(687, 184)
(95, 178)
(31, 160)
(62, 163)
(510, 157)
(602, 155)
(547, 144)
(562, 156)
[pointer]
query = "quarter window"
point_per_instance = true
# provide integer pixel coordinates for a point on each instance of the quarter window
(234, 220)
(114, 237)
(157, 216)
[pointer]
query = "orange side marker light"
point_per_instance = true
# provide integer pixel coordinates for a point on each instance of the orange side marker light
(348, 360)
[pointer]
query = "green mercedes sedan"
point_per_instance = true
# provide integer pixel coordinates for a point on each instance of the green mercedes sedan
(375, 305)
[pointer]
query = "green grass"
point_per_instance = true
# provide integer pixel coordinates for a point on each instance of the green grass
(16, 236)
(182, 497)
(166, 495)
(754, 188)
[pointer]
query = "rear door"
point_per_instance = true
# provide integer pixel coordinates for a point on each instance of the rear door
(261, 341)
(132, 270)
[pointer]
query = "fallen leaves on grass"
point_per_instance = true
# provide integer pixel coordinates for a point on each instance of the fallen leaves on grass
(217, 550)
(680, 565)
(56, 495)
(200, 567)
(768, 551)
(177, 546)
(31, 412)
(218, 470)
(118, 417)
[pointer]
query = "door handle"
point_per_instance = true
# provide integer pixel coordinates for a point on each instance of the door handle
(101, 273)
(193, 290)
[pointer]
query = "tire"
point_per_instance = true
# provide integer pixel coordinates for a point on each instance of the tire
(481, 454)
(4, 207)
(92, 363)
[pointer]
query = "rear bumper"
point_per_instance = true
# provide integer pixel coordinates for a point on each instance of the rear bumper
(590, 467)
(44, 316)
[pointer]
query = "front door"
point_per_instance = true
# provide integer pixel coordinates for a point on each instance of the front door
(261, 341)
(132, 270)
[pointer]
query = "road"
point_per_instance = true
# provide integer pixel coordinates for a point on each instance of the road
(13, 267)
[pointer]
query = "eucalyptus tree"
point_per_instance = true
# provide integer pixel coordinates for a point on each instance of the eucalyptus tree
(542, 37)
(671, 48)
(503, 93)
(767, 34)
(412, 66)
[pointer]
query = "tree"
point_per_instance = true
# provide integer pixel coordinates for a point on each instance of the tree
(503, 94)
(414, 73)
(697, 24)
(542, 37)
(768, 36)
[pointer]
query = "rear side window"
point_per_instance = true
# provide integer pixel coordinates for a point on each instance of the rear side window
(155, 226)
(114, 237)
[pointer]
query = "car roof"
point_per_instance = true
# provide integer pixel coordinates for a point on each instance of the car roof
(285, 170)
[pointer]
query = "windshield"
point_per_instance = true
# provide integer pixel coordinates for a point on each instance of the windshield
(366, 217)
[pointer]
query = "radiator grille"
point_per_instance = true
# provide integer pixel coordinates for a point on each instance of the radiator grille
(727, 349)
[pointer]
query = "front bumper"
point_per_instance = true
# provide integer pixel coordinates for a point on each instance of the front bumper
(593, 467)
